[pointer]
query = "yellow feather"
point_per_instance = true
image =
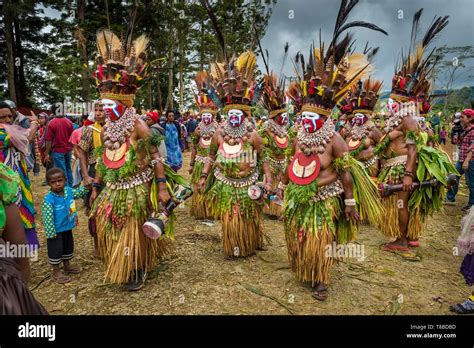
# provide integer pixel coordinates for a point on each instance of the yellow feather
(356, 62)
(140, 44)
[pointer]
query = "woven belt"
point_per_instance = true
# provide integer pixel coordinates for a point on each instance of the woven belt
(328, 191)
(395, 161)
(135, 180)
(370, 162)
(247, 181)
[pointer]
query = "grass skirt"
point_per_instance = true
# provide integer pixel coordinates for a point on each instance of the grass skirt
(122, 245)
(199, 208)
(310, 228)
(241, 218)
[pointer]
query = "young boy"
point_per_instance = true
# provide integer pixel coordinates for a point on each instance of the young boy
(59, 218)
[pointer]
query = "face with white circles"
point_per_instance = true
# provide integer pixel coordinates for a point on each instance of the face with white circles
(235, 117)
(206, 117)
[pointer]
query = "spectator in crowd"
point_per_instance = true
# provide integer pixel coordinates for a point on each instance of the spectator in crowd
(14, 148)
(152, 120)
(59, 219)
(465, 162)
(172, 129)
(442, 135)
(191, 126)
(465, 247)
(75, 162)
(58, 148)
(15, 296)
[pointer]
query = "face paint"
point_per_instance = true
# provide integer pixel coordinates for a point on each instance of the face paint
(206, 117)
(235, 117)
(311, 121)
(282, 119)
(392, 105)
(359, 119)
(113, 109)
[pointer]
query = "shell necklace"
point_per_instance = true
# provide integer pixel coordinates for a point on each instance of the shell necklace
(207, 131)
(117, 133)
(232, 135)
(313, 143)
(275, 128)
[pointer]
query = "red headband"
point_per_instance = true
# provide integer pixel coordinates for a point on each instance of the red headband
(153, 115)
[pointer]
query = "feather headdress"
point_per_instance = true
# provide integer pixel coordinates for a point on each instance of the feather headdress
(330, 72)
(361, 98)
(206, 98)
(273, 96)
(412, 73)
(234, 82)
(121, 65)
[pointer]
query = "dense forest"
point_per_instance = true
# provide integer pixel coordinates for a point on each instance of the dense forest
(48, 47)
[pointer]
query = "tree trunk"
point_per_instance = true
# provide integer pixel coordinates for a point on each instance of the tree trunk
(182, 39)
(150, 95)
(158, 87)
(21, 91)
(82, 48)
(8, 18)
(169, 98)
(201, 47)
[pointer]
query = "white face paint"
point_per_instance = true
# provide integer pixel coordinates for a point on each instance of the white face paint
(235, 117)
(283, 119)
(311, 121)
(206, 117)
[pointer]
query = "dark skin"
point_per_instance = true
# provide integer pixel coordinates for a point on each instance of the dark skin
(14, 233)
(398, 147)
(337, 148)
(141, 131)
(6, 117)
(244, 167)
(194, 145)
(57, 183)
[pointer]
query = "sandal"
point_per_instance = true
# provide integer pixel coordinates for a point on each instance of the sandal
(393, 247)
(320, 295)
(414, 243)
(61, 278)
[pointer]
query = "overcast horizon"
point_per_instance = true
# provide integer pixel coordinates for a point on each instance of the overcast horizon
(311, 15)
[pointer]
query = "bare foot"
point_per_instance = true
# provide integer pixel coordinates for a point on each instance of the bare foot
(60, 278)
(320, 292)
(70, 269)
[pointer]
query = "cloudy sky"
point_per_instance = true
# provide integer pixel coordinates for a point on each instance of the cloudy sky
(311, 15)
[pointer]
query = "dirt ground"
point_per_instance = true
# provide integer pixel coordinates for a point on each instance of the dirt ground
(196, 279)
